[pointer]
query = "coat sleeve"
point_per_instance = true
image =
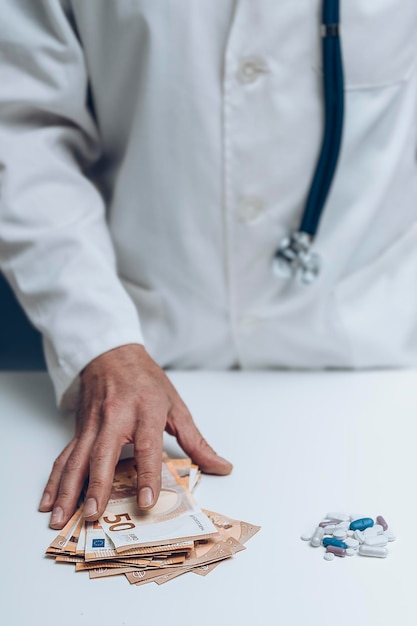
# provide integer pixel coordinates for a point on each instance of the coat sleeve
(55, 248)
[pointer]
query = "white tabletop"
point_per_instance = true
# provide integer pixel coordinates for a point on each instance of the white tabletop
(302, 444)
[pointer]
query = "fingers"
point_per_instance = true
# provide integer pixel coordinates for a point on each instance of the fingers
(125, 398)
(52, 486)
(181, 425)
(103, 459)
(71, 481)
(148, 457)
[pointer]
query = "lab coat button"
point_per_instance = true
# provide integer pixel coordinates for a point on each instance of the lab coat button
(250, 69)
(249, 208)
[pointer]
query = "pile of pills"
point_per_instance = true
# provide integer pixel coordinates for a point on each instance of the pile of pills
(348, 535)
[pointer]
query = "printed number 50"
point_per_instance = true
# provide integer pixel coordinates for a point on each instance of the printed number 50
(117, 524)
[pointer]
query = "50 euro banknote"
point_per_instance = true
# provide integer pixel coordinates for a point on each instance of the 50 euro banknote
(175, 516)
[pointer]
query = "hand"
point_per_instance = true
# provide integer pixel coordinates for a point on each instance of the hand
(125, 398)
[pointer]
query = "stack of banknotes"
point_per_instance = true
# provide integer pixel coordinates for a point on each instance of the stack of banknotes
(176, 536)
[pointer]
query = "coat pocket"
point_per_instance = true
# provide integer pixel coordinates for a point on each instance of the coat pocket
(379, 42)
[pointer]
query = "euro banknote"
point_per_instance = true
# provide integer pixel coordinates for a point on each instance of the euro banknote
(173, 538)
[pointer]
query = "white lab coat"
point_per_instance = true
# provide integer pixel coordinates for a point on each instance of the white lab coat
(155, 152)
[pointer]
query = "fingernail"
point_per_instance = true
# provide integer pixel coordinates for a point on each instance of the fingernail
(57, 515)
(145, 497)
(46, 500)
(90, 507)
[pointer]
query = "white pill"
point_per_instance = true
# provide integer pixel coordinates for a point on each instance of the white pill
(378, 540)
(306, 536)
(378, 528)
(340, 516)
(358, 534)
(315, 540)
(370, 532)
(329, 530)
(328, 556)
(352, 543)
(350, 533)
(340, 533)
(344, 525)
(389, 534)
(350, 551)
(365, 550)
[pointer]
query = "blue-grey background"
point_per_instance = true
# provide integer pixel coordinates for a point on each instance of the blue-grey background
(20, 343)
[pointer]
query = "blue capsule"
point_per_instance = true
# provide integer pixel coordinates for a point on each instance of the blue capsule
(361, 524)
(336, 543)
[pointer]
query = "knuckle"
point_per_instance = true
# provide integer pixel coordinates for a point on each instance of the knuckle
(150, 397)
(65, 495)
(146, 476)
(110, 407)
(101, 450)
(146, 446)
(74, 463)
(95, 484)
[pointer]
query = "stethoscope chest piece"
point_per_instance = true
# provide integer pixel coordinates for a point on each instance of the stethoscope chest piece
(295, 259)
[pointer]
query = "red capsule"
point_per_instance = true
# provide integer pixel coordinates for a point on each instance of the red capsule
(380, 520)
(336, 551)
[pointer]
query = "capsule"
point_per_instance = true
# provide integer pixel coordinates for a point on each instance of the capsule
(317, 537)
(329, 522)
(380, 520)
(337, 543)
(361, 524)
(379, 541)
(365, 550)
(337, 551)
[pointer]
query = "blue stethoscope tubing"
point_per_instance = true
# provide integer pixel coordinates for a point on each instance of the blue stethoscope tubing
(295, 257)
(333, 86)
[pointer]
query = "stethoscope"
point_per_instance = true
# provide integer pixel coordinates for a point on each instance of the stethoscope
(294, 257)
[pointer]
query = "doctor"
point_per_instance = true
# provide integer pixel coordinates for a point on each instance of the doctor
(154, 156)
